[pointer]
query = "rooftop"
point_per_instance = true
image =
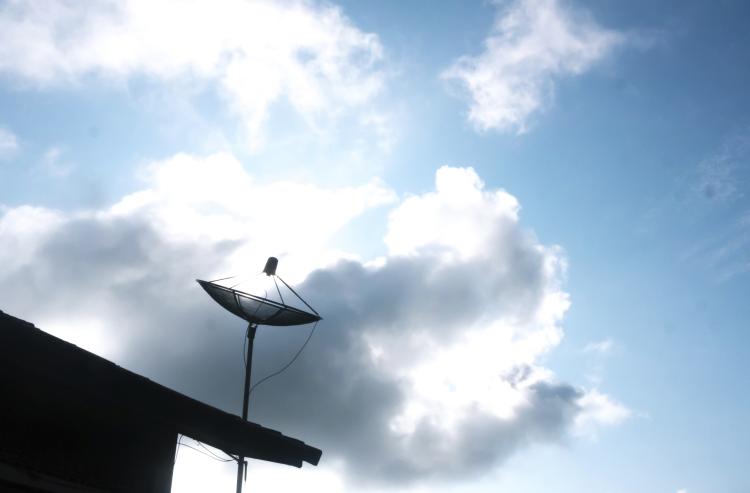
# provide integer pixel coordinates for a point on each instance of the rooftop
(51, 371)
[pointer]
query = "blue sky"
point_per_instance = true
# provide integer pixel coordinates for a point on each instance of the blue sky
(571, 175)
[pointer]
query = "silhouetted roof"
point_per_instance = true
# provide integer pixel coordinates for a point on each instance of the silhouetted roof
(30, 356)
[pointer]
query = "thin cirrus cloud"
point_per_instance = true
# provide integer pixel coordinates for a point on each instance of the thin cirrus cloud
(256, 53)
(722, 177)
(428, 363)
(55, 164)
(716, 185)
(8, 143)
(599, 347)
(532, 44)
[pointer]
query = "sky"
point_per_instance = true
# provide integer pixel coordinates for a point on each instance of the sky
(525, 223)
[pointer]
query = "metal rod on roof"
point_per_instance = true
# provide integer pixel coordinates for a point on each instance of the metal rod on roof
(241, 465)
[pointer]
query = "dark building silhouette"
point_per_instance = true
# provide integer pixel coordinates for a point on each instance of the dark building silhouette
(71, 421)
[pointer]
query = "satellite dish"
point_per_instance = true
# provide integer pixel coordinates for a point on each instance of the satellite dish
(259, 310)
(255, 309)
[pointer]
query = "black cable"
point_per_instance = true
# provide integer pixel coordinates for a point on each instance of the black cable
(203, 446)
(207, 452)
(267, 377)
(214, 457)
(299, 351)
(177, 448)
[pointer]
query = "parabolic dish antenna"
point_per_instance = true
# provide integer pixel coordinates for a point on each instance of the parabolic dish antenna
(255, 309)
(259, 310)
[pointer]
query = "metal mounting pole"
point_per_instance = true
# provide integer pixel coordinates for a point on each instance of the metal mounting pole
(248, 367)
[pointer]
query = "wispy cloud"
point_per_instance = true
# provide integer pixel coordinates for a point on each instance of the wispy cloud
(716, 180)
(55, 164)
(599, 409)
(257, 52)
(726, 255)
(8, 143)
(717, 186)
(599, 347)
(597, 352)
(720, 177)
(532, 44)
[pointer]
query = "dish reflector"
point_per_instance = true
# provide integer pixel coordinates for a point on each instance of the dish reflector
(255, 309)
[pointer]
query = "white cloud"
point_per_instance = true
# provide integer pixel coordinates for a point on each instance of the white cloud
(54, 164)
(428, 361)
(187, 202)
(599, 409)
(682, 490)
(213, 199)
(439, 219)
(595, 365)
(599, 347)
(8, 143)
(23, 230)
(532, 43)
(257, 52)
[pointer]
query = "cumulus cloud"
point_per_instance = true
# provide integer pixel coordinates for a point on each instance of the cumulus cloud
(256, 52)
(8, 142)
(194, 216)
(532, 44)
(427, 364)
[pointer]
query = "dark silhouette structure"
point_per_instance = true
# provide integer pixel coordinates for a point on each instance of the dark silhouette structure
(71, 421)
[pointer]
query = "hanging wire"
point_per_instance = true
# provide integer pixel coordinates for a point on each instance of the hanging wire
(282, 369)
(203, 446)
(214, 457)
(247, 331)
(205, 451)
(177, 448)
